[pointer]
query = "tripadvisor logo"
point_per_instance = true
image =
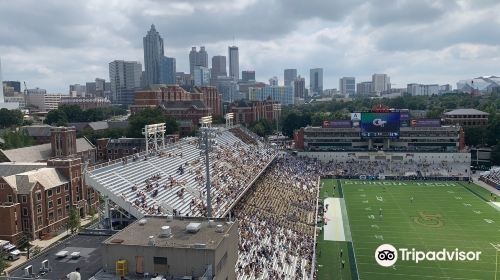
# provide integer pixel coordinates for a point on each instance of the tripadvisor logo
(387, 255)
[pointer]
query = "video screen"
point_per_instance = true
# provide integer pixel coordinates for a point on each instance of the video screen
(380, 125)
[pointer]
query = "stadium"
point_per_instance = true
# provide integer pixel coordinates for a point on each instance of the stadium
(321, 211)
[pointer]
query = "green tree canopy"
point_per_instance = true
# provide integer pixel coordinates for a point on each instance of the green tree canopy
(9, 118)
(150, 116)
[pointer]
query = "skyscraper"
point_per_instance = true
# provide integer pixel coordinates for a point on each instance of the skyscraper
(153, 53)
(218, 66)
(299, 87)
(2, 99)
(347, 86)
(197, 58)
(201, 76)
(234, 63)
(125, 78)
(248, 75)
(381, 83)
(289, 76)
(316, 80)
(167, 70)
(273, 81)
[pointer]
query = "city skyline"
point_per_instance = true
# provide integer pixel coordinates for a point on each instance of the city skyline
(413, 42)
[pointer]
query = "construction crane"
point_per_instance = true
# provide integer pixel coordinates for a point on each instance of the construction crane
(25, 89)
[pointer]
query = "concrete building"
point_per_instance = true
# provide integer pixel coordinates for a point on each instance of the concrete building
(183, 79)
(125, 77)
(282, 94)
(273, 81)
(228, 88)
(247, 75)
(153, 54)
(175, 248)
(234, 63)
(16, 99)
(422, 90)
(347, 86)
(167, 70)
(218, 66)
(39, 100)
(445, 88)
(197, 58)
(289, 75)
(466, 117)
(299, 87)
(364, 88)
(78, 90)
(316, 81)
(201, 76)
(380, 83)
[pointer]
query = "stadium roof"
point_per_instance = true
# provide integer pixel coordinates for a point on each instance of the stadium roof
(466, 112)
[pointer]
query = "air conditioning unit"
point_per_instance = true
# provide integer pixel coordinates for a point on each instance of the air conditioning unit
(193, 227)
(165, 231)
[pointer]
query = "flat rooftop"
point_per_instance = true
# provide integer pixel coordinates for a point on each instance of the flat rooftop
(137, 234)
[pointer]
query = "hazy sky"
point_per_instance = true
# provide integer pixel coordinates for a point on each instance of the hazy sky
(51, 44)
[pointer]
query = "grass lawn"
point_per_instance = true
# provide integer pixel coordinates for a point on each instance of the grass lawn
(449, 215)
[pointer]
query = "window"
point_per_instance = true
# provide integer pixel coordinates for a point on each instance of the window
(39, 221)
(38, 196)
(51, 215)
(160, 260)
(39, 209)
(9, 198)
(59, 213)
(49, 193)
(126, 151)
(58, 190)
(25, 211)
(67, 198)
(24, 198)
(59, 201)
(66, 187)
(50, 204)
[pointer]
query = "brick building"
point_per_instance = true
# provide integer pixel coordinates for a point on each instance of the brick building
(466, 117)
(246, 112)
(110, 149)
(36, 198)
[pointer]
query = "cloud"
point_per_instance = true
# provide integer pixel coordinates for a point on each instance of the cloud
(57, 43)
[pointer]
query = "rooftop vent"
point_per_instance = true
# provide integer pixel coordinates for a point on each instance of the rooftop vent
(170, 218)
(142, 222)
(165, 231)
(151, 240)
(193, 227)
(219, 228)
(199, 245)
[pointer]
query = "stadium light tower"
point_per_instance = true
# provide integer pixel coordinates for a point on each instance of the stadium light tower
(277, 110)
(207, 131)
(154, 133)
(229, 119)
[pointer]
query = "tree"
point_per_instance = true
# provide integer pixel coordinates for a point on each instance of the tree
(24, 242)
(171, 125)
(3, 263)
(73, 220)
(57, 117)
(9, 118)
(17, 139)
(147, 116)
(495, 154)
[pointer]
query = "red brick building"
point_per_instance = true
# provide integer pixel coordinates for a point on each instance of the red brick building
(36, 198)
(246, 112)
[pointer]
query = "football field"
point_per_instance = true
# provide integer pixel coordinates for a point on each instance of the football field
(425, 216)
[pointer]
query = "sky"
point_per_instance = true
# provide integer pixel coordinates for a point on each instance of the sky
(52, 44)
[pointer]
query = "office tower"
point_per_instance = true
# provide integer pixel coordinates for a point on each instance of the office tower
(381, 83)
(419, 89)
(247, 75)
(316, 80)
(299, 87)
(234, 63)
(218, 66)
(16, 85)
(125, 78)
(167, 70)
(77, 90)
(364, 88)
(202, 57)
(153, 53)
(2, 99)
(201, 76)
(197, 58)
(283, 94)
(273, 81)
(347, 86)
(289, 76)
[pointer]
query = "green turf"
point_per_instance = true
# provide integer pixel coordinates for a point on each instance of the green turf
(463, 224)
(329, 261)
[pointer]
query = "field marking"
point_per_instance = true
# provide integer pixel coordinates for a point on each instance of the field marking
(334, 226)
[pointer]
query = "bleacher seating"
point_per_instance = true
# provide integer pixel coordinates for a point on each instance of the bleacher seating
(172, 181)
(491, 177)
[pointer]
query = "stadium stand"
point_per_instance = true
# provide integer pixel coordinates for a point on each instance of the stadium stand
(172, 181)
(491, 177)
(277, 221)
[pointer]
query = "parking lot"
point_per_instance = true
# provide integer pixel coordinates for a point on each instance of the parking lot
(89, 261)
